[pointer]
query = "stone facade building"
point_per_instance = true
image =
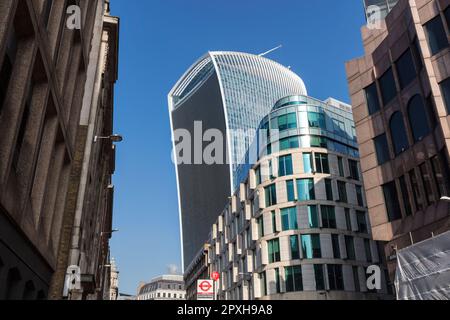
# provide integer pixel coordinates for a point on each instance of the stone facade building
(167, 287)
(400, 93)
(297, 228)
(49, 103)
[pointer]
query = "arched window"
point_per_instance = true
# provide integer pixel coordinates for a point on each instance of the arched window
(418, 118)
(12, 284)
(398, 133)
(29, 291)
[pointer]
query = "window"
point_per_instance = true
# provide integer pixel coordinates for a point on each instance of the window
(23, 126)
(362, 222)
(405, 69)
(350, 247)
(368, 250)
(417, 54)
(336, 247)
(418, 118)
(391, 201)
(373, 103)
(271, 195)
(7, 68)
(311, 246)
(439, 174)
(328, 217)
(359, 195)
(329, 189)
(294, 282)
(405, 196)
(356, 279)
(285, 166)
(353, 167)
(262, 279)
(341, 166)
(387, 86)
(318, 274)
(289, 143)
(274, 250)
(290, 190)
(258, 176)
(261, 227)
(307, 163)
(335, 278)
(295, 247)
(437, 39)
(398, 133)
(313, 217)
(445, 88)
(318, 142)
(418, 198)
(382, 149)
(342, 189)
(305, 189)
(288, 121)
(316, 120)
(322, 164)
(274, 221)
(348, 220)
(289, 218)
(277, 280)
(428, 182)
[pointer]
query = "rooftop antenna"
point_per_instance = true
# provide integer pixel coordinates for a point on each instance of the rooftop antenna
(270, 51)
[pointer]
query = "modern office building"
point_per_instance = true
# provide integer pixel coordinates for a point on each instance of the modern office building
(230, 92)
(400, 92)
(167, 287)
(47, 97)
(297, 227)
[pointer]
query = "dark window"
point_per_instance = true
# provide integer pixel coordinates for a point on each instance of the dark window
(274, 250)
(316, 120)
(262, 278)
(328, 217)
(318, 142)
(271, 195)
(417, 54)
(318, 274)
(342, 191)
(391, 201)
(437, 39)
(290, 190)
(313, 217)
(428, 182)
(294, 282)
(387, 86)
(289, 143)
(405, 196)
(356, 278)
(398, 133)
(348, 220)
(22, 127)
(359, 196)
(288, 121)
(373, 103)
(361, 220)
(418, 198)
(341, 166)
(353, 166)
(329, 189)
(285, 166)
(445, 88)
(439, 174)
(368, 250)
(405, 69)
(7, 67)
(447, 16)
(295, 247)
(336, 247)
(261, 227)
(350, 247)
(432, 112)
(289, 218)
(274, 222)
(322, 164)
(311, 246)
(277, 280)
(418, 118)
(335, 278)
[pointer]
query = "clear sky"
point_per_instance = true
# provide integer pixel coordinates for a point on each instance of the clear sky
(159, 40)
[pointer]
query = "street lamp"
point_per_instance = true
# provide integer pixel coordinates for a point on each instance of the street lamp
(113, 138)
(108, 232)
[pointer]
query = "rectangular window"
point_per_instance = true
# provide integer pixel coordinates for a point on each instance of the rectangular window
(262, 279)
(418, 198)
(336, 246)
(318, 274)
(316, 120)
(289, 143)
(362, 222)
(350, 247)
(7, 67)
(329, 189)
(335, 277)
(445, 88)
(322, 164)
(261, 227)
(288, 121)
(405, 69)
(311, 247)
(307, 163)
(356, 279)
(285, 166)
(313, 217)
(294, 282)
(274, 250)
(22, 127)
(391, 201)
(439, 174)
(437, 39)
(274, 221)
(428, 183)
(290, 190)
(271, 195)
(353, 167)
(382, 149)
(405, 196)
(305, 189)
(341, 166)
(368, 250)
(328, 217)
(342, 191)
(318, 142)
(373, 103)
(289, 218)
(417, 54)
(359, 195)
(387, 86)
(348, 220)
(295, 247)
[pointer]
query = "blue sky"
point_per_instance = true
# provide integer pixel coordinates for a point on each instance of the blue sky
(159, 40)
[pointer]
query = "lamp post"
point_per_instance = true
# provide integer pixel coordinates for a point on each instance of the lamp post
(113, 138)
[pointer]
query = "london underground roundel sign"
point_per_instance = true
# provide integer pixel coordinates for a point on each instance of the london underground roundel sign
(215, 276)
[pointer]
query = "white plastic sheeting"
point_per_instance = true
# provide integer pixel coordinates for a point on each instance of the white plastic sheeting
(423, 270)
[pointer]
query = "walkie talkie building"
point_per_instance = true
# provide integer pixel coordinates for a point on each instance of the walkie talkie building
(231, 92)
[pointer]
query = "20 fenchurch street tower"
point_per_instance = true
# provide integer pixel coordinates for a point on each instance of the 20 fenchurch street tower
(231, 92)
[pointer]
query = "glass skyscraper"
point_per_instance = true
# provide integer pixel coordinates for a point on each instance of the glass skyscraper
(232, 92)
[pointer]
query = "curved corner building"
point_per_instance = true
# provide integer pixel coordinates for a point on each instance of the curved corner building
(231, 92)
